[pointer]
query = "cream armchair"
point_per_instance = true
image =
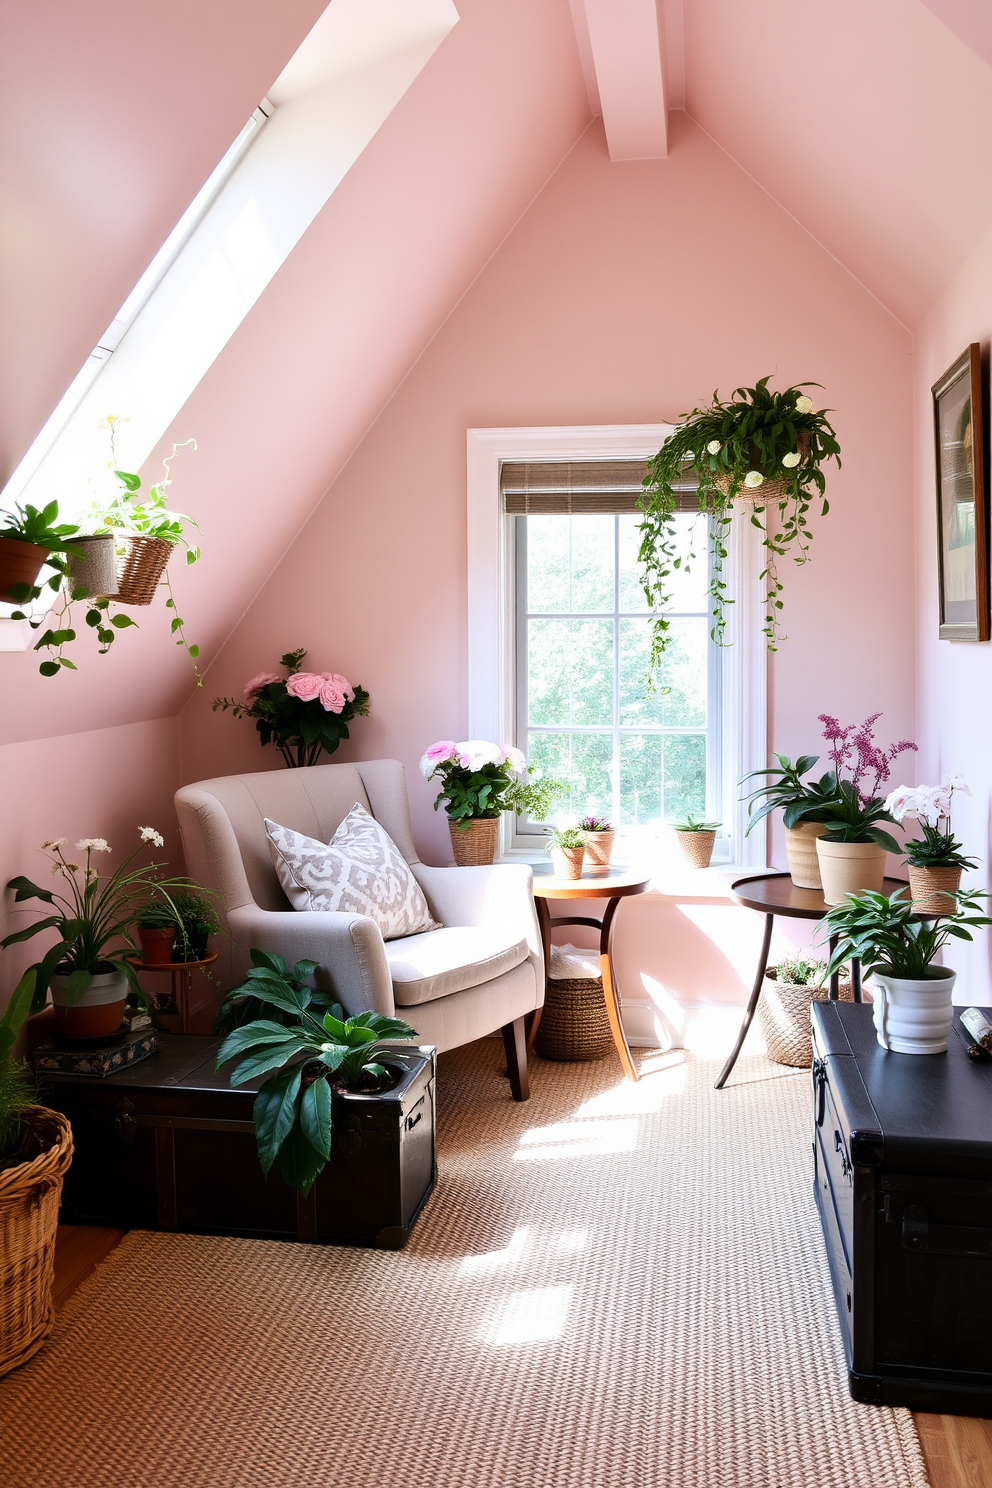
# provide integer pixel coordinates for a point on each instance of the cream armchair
(481, 971)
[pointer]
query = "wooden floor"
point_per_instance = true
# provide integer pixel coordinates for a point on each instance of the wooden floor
(958, 1449)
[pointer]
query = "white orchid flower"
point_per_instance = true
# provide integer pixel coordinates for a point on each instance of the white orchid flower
(957, 783)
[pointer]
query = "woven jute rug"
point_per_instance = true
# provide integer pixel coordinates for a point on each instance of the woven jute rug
(613, 1285)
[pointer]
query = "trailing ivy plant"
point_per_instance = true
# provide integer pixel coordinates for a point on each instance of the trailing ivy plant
(756, 438)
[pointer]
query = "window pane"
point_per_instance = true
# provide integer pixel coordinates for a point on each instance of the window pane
(585, 761)
(684, 672)
(688, 588)
(662, 777)
(570, 672)
(570, 563)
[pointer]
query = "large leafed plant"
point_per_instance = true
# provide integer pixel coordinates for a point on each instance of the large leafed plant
(766, 446)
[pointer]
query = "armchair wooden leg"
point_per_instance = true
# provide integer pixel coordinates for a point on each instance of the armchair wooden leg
(515, 1044)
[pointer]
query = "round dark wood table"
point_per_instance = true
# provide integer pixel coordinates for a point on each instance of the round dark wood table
(612, 885)
(774, 894)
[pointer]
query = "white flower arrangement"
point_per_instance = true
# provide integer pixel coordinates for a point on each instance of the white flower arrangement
(926, 803)
(804, 404)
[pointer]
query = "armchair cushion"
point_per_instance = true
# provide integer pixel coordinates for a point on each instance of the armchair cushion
(426, 967)
(360, 871)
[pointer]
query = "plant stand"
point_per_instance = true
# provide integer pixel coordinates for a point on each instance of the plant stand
(180, 973)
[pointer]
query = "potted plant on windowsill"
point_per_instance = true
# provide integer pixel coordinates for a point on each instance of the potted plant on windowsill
(567, 849)
(765, 447)
(913, 1008)
(305, 714)
(935, 859)
(599, 835)
(852, 851)
(696, 839)
(802, 804)
(35, 1151)
(783, 1010)
(479, 781)
(28, 538)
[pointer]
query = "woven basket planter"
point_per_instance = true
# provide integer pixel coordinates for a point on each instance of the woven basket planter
(474, 846)
(599, 849)
(933, 888)
(783, 1017)
(800, 850)
(698, 847)
(573, 1022)
(567, 861)
(141, 562)
(772, 488)
(29, 1216)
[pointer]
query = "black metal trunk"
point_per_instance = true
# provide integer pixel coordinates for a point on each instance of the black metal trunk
(902, 1153)
(167, 1144)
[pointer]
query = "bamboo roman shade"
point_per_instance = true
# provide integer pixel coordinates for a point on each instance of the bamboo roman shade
(580, 487)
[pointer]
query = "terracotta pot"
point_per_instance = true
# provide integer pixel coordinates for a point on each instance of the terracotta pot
(156, 945)
(698, 847)
(20, 563)
(474, 843)
(567, 861)
(800, 849)
(98, 1013)
(933, 888)
(914, 1016)
(96, 569)
(849, 868)
(599, 849)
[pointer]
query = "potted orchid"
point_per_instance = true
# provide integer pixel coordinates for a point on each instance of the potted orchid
(305, 714)
(851, 852)
(935, 859)
(479, 781)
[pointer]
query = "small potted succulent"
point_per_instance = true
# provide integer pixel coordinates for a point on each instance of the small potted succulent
(783, 1011)
(802, 804)
(935, 859)
(566, 849)
(852, 850)
(912, 1009)
(696, 839)
(599, 835)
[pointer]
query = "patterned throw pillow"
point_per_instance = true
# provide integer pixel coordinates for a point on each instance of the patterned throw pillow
(360, 871)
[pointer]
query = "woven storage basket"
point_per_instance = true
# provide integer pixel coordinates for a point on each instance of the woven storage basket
(29, 1216)
(141, 562)
(772, 488)
(932, 889)
(784, 1020)
(476, 845)
(698, 847)
(573, 1022)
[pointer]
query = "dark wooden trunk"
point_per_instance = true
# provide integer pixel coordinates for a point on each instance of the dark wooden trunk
(902, 1152)
(167, 1144)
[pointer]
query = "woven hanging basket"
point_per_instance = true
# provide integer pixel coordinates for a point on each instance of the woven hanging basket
(475, 845)
(29, 1214)
(573, 1022)
(932, 889)
(784, 1020)
(773, 488)
(141, 562)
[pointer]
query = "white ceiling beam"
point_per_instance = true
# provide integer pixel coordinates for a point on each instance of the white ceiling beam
(625, 42)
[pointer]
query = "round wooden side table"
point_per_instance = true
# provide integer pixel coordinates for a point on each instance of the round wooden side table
(181, 974)
(613, 885)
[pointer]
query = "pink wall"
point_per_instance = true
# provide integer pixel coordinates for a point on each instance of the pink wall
(619, 297)
(955, 677)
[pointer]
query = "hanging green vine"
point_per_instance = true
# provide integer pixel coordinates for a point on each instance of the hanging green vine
(765, 446)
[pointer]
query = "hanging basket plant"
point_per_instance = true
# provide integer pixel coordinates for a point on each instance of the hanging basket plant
(765, 449)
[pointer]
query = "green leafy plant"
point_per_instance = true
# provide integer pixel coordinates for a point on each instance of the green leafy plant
(696, 824)
(800, 970)
(887, 936)
(535, 798)
(566, 838)
(305, 714)
(755, 439)
(936, 849)
(155, 917)
(17, 1085)
(312, 1054)
(41, 528)
(786, 791)
(198, 919)
(242, 1005)
(854, 820)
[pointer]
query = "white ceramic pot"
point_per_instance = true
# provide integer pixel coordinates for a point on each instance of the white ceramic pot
(849, 868)
(98, 1012)
(800, 850)
(914, 1017)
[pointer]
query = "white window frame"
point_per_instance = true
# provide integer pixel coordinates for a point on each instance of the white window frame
(491, 608)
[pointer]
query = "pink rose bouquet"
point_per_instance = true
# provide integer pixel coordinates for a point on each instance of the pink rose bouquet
(305, 714)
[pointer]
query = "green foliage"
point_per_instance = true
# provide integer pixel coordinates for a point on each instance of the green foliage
(936, 849)
(734, 442)
(854, 820)
(800, 970)
(17, 1090)
(303, 1054)
(534, 798)
(695, 824)
(785, 790)
(468, 794)
(155, 917)
(887, 936)
(567, 837)
(42, 528)
(301, 731)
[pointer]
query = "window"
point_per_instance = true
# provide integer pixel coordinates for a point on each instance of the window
(583, 709)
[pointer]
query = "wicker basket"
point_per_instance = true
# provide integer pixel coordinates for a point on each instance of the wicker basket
(29, 1216)
(573, 1022)
(773, 488)
(800, 849)
(698, 847)
(599, 849)
(474, 844)
(933, 888)
(141, 562)
(783, 1017)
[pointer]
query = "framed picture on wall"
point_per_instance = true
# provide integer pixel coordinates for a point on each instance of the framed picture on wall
(962, 548)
